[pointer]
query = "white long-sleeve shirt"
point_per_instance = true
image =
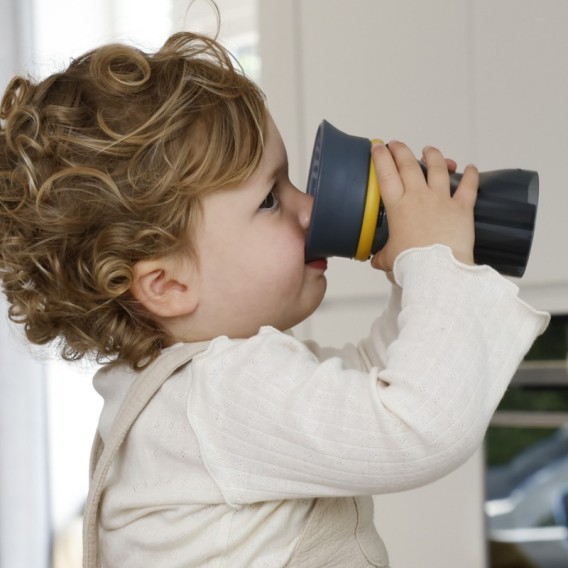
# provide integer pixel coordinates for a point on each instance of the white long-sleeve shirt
(223, 466)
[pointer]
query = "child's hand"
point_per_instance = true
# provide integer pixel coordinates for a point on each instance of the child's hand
(422, 212)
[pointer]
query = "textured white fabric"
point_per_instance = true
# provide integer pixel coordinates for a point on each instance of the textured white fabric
(223, 466)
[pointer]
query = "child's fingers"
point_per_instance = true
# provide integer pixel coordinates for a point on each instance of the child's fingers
(437, 167)
(378, 261)
(466, 192)
(452, 165)
(388, 177)
(408, 167)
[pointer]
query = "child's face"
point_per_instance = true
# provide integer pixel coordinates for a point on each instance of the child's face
(250, 243)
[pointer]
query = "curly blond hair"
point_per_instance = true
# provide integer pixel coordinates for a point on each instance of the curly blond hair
(104, 165)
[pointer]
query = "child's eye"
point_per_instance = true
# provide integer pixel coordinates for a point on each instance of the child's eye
(270, 201)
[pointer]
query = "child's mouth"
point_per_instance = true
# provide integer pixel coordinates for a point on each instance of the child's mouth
(318, 264)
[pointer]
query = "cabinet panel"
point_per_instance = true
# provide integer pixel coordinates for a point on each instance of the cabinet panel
(520, 51)
(482, 80)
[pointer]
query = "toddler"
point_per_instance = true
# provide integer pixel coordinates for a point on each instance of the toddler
(147, 221)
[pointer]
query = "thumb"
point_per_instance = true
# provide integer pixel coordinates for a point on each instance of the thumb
(467, 189)
(379, 260)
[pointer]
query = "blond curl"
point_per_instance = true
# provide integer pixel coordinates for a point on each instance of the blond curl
(103, 165)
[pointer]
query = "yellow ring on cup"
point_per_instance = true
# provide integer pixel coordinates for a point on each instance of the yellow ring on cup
(370, 214)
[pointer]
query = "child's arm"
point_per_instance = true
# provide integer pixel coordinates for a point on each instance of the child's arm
(273, 422)
(371, 351)
(421, 212)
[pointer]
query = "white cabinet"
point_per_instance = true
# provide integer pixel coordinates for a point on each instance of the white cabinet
(483, 80)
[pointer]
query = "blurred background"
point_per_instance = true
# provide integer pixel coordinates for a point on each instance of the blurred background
(485, 81)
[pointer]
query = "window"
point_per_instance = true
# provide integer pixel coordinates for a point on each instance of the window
(527, 459)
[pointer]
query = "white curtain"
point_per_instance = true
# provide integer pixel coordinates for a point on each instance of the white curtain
(24, 494)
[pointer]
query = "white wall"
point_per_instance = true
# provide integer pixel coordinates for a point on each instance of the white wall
(485, 81)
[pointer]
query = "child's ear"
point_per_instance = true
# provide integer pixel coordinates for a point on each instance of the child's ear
(166, 287)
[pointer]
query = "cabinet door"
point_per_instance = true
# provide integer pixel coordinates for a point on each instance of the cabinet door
(482, 80)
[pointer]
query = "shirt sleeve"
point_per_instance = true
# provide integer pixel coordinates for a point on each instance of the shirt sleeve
(372, 351)
(274, 422)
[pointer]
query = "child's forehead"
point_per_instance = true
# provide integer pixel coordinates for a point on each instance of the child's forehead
(274, 154)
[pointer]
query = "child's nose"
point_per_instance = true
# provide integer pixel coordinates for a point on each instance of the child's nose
(305, 209)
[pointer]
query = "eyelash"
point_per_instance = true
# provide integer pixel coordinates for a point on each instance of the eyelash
(271, 199)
